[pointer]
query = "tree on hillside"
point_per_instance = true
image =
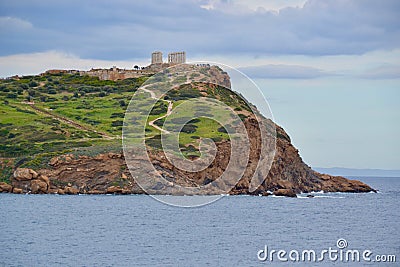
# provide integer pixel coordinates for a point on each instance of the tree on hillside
(33, 84)
(31, 92)
(122, 103)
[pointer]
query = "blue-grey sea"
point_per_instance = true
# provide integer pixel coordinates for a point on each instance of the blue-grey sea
(136, 230)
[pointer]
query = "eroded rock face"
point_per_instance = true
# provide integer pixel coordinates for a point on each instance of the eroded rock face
(17, 190)
(38, 187)
(114, 190)
(44, 179)
(102, 174)
(70, 190)
(25, 174)
(337, 183)
(26, 180)
(5, 188)
(108, 174)
(288, 171)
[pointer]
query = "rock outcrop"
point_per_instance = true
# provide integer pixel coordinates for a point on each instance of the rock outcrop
(25, 174)
(5, 188)
(285, 193)
(103, 174)
(26, 180)
(108, 173)
(287, 175)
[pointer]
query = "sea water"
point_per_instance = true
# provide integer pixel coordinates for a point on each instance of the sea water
(136, 230)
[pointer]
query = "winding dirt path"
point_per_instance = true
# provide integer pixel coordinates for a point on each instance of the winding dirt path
(67, 121)
(169, 111)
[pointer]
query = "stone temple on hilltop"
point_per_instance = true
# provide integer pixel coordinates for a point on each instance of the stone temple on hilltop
(156, 57)
(177, 57)
(158, 64)
(173, 57)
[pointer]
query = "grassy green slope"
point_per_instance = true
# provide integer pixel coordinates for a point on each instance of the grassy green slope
(30, 132)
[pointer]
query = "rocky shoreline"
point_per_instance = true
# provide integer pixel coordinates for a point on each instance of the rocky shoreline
(107, 174)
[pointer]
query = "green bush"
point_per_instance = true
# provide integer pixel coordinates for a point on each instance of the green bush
(117, 123)
(189, 128)
(217, 139)
(159, 108)
(33, 84)
(160, 122)
(222, 130)
(11, 95)
(117, 115)
(154, 142)
(122, 103)
(52, 91)
(92, 122)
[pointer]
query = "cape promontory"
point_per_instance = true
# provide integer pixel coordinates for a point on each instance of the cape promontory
(60, 133)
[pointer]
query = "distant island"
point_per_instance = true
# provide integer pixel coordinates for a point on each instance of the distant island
(359, 172)
(61, 134)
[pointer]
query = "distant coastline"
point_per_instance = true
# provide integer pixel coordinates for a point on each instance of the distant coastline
(358, 172)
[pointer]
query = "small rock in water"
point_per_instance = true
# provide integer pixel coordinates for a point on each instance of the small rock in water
(285, 193)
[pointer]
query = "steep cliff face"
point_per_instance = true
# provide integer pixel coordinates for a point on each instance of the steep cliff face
(288, 171)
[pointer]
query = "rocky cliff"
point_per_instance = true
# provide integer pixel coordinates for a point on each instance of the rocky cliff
(107, 173)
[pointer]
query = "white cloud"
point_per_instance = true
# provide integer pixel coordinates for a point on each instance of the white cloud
(12, 24)
(249, 6)
(230, 28)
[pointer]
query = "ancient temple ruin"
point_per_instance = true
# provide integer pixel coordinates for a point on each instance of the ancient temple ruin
(156, 57)
(173, 57)
(177, 57)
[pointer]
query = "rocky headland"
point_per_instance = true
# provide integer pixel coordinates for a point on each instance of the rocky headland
(107, 172)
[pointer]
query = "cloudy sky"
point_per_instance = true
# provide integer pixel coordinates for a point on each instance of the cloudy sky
(330, 69)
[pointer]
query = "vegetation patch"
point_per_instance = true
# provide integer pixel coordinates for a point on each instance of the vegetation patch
(50, 114)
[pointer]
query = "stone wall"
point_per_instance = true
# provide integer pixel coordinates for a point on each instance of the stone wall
(115, 73)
